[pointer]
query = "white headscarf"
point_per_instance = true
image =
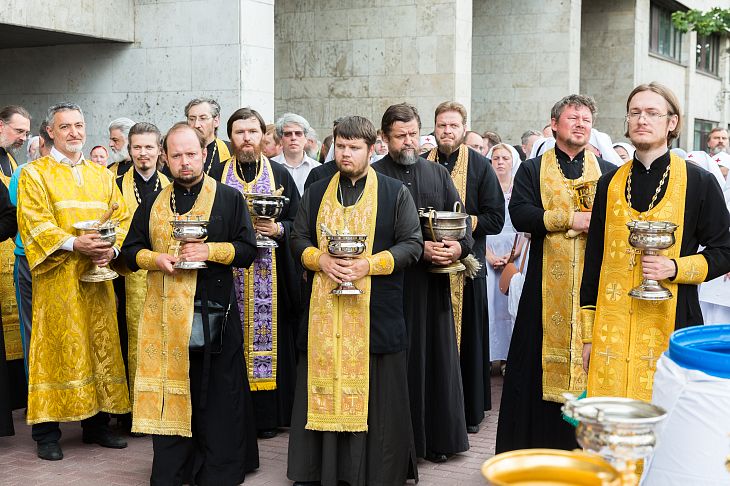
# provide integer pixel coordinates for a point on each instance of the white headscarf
(516, 160)
(604, 145)
(541, 146)
(35, 138)
(630, 149)
(704, 160)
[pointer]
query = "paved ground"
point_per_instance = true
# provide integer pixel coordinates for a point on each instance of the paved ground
(86, 465)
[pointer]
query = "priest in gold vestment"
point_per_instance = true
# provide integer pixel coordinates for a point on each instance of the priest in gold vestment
(143, 179)
(76, 370)
(625, 336)
(544, 359)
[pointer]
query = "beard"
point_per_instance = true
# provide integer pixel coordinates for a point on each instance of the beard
(717, 149)
(448, 147)
(312, 153)
(119, 155)
(74, 147)
(248, 153)
(406, 156)
(13, 148)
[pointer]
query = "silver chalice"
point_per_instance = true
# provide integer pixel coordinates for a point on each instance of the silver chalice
(265, 206)
(342, 244)
(650, 237)
(189, 230)
(107, 232)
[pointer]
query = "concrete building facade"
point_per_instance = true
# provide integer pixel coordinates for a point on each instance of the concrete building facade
(508, 61)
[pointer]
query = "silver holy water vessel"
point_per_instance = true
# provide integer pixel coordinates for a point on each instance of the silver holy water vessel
(265, 206)
(621, 430)
(188, 230)
(650, 237)
(107, 232)
(343, 244)
(444, 225)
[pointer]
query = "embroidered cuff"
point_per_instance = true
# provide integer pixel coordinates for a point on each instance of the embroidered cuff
(381, 263)
(557, 220)
(474, 222)
(221, 253)
(310, 259)
(586, 316)
(146, 259)
(691, 270)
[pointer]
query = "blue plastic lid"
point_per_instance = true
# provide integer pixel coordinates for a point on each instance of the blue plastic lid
(704, 348)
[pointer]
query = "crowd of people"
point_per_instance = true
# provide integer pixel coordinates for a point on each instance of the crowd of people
(209, 345)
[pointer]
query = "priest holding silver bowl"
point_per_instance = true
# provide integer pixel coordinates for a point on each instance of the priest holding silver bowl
(266, 207)
(188, 230)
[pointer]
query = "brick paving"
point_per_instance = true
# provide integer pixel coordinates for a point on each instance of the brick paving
(87, 465)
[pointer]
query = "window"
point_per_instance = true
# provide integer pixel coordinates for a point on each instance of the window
(708, 53)
(702, 131)
(664, 39)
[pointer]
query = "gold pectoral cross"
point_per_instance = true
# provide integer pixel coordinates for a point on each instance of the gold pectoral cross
(632, 258)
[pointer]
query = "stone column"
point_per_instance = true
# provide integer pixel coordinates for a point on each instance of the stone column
(355, 57)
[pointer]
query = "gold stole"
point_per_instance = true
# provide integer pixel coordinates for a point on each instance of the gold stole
(161, 402)
(456, 280)
(338, 355)
(249, 278)
(135, 284)
(562, 270)
(223, 153)
(630, 334)
(8, 304)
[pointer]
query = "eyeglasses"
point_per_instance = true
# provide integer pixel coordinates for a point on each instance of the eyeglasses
(295, 133)
(651, 116)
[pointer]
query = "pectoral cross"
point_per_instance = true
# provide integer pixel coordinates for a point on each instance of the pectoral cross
(632, 259)
(650, 358)
(608, 355)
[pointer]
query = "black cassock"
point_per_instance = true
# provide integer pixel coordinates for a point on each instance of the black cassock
(434, 373)
(485, 200)
(525, 419)
(273, 408)
(223, 447)
(706, 223)
(213, 165)
(13, 392)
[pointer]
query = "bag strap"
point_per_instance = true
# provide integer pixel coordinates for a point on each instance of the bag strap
(524, 255)
(206, 336)
(514, 248)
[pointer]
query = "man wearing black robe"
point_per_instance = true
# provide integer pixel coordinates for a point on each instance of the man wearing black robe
(8, 228)
(526, 420)
(223, 443)
(484, 202)
(384, 454)
(203, 114)
(434, 375)
(246, 129)
(651, 185)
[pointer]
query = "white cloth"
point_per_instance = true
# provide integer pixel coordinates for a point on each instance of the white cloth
(630, 149)
(692, 442)
(715, 313)
(604, 145)
(516, 160)
(501, 322)
(541, 146)
(330, 153)
(703, 159)
(300, 172)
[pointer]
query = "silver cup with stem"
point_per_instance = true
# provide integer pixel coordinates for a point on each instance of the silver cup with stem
(650, 237)
(188, 230)
(265, 206)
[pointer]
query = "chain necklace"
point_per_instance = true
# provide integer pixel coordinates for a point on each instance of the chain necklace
(653, 198)
(570, 183)
(344, 207)
(238, 166)
(136, 191)
(212, 157)
(172, 202)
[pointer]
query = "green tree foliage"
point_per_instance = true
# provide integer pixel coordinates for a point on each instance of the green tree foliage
(714, 21)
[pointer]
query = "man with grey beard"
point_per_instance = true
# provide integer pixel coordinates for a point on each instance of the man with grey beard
(121, 162)
(434, 376)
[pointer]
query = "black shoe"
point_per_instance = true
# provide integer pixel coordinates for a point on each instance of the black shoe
(472, 429)
(436, 457)
(104, 438)
(50, 451)
(268, 434)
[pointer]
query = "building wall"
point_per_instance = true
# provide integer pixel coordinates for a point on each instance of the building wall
(104, 19)
(181, 50)
(336, 58)
(607, 60)
(526, 56)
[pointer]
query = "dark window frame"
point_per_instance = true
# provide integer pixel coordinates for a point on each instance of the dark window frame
(664, 39)
(707, 56)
